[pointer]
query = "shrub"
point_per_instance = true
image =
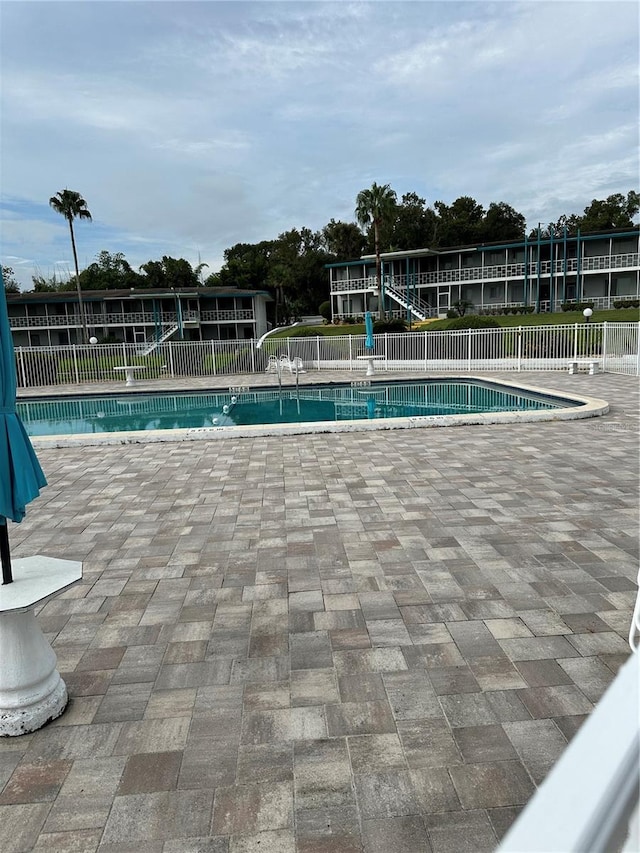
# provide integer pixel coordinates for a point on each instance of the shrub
(452, 314)
(627, 303)
(325, 310)
(461, 306)
(304, 332)
(473, 321)
(576, 306)
(393, 324)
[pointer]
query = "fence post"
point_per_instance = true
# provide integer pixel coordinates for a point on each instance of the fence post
(638, 350)
(604, 346)
(253, 355)
(75, 364)
(468, 350)
(173, 376)
(350, 352)
(22, 370)
(318, 350)
(519, 348)
(386, 350)
(575, 341)
(425, 350)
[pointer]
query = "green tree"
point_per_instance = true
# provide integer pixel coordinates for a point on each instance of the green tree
(10, 283)
(616, 211)
(41, 284)
(414, 226)
(344, 240)
(167, 273)
(460, 223)
(296, 276)
(375, 208)
(502, 222)
(110, 272)
(71, 205)
(246, 266)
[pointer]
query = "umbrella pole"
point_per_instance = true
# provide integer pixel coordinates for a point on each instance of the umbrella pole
(4, 553)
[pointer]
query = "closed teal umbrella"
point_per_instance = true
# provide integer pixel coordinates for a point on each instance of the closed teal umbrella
(21, 476)
(368, 327)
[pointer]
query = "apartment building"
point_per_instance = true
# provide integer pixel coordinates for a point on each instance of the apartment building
(143, 317)
(543, 272)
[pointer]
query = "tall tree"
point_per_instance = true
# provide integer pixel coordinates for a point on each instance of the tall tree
(460, 223)
(344, 240)
(110, 272)
(169, 272)
(502, 222)
(10, 283)
(375, 207)
(71, 205)
(415, 224)
(616, 211)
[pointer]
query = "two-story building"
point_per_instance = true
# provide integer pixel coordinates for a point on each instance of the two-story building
(543, 272)
(143, 317)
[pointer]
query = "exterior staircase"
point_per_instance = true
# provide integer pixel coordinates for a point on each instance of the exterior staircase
(156, 338)
(421, 310)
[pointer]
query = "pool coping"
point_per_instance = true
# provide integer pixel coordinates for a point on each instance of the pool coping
(589, 407)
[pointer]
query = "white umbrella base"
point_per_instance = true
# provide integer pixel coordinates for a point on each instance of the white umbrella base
(32, 693)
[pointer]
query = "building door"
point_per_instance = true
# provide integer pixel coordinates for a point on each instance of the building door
(444, 299)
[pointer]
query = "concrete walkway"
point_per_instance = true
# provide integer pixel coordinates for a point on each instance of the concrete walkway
(323, 644)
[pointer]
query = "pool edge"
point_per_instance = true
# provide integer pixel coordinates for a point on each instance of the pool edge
(589, 407)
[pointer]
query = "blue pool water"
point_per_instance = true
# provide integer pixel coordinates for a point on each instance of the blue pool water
(242, 406)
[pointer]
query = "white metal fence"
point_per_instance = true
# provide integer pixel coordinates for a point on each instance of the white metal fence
(616, 346)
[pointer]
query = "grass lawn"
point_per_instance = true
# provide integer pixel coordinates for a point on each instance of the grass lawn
(615, 315)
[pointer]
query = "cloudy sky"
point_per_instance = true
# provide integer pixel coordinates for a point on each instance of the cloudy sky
(191, 126)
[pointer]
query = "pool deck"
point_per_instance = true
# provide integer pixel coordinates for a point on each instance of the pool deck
(328, 643)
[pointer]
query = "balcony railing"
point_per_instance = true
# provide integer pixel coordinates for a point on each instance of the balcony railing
(136, 318)
(602, 263)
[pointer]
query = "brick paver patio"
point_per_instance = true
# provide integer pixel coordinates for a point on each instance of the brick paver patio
(328, 643)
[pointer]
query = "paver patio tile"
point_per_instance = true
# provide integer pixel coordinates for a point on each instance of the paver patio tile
(306, 723)
(322, 774)
(543, 673)
(272, 762)
(411, 695)
(400, 834)
(561, 701)
(274, 841)
(388, 794)
(158, 816)
(484, 744)
(20, 825)
(460, 832)
(467, 709)
(428, 743)
(359, 718)
(79, 841)
(206, 844)
(453, 679)
(538, 743)
(35, 783)
(145, 773)
(491, 785)
(248, 809)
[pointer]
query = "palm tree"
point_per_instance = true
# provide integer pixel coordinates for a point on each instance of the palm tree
(71, 205)
(375, 206)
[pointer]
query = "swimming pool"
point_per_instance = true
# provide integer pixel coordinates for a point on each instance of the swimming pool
(306, 408)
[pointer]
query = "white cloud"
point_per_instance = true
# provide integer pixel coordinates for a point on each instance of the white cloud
(191, 126)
